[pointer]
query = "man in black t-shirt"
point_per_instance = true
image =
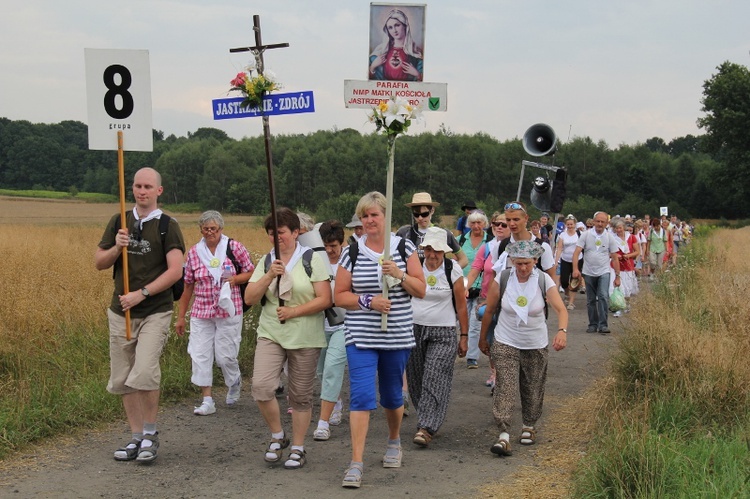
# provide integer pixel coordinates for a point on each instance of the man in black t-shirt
(155, 263)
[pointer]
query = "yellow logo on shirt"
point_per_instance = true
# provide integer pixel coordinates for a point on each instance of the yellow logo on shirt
(521, 301)
(214, 263)
(431, 280)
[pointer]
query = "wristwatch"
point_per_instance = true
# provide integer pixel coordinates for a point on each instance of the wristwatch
(145, 292)
(563, 330)
(403, 277)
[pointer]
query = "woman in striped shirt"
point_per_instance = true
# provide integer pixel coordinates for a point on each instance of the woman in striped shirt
(370, 349)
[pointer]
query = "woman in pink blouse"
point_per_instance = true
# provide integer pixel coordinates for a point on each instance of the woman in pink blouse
(216, 315)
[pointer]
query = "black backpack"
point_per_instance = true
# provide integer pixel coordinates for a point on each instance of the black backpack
(448, 271)
(179, 286)
(487, 237)
(238, 270)
(504, 243)
(354, 252)
(306, 263)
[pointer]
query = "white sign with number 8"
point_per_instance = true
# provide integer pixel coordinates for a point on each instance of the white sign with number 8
(118, 93)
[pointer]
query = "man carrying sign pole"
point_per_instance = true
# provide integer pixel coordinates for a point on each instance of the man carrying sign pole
(155, 262)
(144, 246)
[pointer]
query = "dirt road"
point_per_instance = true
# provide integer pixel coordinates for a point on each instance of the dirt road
(222, 455)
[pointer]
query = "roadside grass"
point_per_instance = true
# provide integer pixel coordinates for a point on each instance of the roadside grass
(675, 419)
(54, 342)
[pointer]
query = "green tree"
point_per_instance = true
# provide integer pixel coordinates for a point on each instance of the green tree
(726, 102)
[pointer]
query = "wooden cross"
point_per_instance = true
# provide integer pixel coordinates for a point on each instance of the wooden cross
(257, 52)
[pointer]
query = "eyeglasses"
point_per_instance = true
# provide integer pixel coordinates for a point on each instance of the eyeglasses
(500, 224)
(210, 230)
(423, 214)
(515, 206)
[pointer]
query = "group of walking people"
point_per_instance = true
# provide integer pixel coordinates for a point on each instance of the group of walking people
(406, 314)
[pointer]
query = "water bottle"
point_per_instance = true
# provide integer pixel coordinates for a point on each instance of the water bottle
(226, 273)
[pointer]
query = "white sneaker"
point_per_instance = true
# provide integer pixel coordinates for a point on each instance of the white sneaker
(321, 434)
(617, 314)
(205, 409)
(336, 415)
(233, 394)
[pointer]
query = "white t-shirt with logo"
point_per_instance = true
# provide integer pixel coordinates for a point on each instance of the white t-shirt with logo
(436, 308)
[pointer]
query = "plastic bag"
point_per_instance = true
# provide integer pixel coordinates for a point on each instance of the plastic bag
(617, 301)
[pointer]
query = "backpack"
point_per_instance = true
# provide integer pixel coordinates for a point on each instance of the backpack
(504, 276)
(504, 243)
(179, 286)
(448, 263)
(306, 263)
(354, 252)
(487, 238)
(238, 270)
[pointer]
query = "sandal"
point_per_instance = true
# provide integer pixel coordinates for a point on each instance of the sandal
(282, 443)
(501, 447)
(127, 453)
(353, 476)
(528, 436)
(148, 454)
(392, 457)
(296, 460)
(422, 438)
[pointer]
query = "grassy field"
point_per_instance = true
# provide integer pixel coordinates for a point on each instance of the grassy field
(674, 418)
(54, 360)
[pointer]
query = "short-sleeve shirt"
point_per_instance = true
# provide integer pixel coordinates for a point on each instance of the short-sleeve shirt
(483, 263)
(436, 308)
(207, 290)
(597, 248)
(363, 326)
(300, 332)
(533, 334)
(146, 262)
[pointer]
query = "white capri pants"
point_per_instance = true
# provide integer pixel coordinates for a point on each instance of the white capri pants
(219, 339)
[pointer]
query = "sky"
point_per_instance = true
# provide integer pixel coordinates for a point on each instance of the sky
(618, 71)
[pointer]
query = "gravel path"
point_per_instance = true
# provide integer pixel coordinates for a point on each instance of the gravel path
(222, 455)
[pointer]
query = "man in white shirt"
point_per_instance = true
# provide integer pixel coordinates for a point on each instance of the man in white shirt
(600, 249)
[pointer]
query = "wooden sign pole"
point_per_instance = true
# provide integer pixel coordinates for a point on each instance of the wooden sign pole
(123, 225)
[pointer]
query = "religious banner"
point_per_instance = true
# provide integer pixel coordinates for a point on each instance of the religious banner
(396, 42)
(368, 94)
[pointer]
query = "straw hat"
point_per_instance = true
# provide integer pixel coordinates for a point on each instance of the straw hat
(422, 199)
(575, 283)
(436, 238)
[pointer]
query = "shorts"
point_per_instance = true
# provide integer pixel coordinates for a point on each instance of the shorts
(367, 365)
(134, 364)
(268, 363)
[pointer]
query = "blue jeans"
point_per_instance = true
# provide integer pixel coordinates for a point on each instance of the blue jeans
(597, 299)
(475, 326)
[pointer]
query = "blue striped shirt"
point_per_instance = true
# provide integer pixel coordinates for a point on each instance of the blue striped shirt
(363, 326)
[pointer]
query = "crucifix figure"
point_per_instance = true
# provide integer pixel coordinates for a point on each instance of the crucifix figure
(257, 52)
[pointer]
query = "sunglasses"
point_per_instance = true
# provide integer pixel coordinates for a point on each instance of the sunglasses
(515, 206)
(423, 214)
(500, 224)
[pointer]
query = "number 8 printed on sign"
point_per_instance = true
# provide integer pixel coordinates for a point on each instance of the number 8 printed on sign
(118, 94)
(113, 90)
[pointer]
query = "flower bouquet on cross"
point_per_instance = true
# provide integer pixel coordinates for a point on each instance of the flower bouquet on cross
(254, 88)
(394, 116)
